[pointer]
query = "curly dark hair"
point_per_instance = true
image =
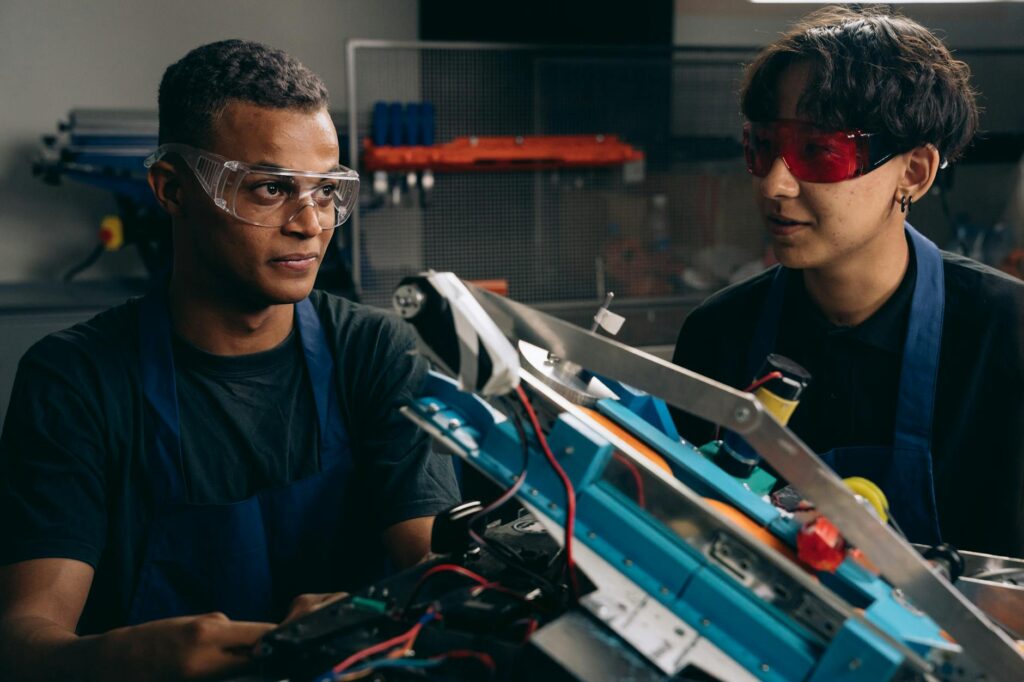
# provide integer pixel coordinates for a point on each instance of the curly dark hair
(874, 70)
(197, 87)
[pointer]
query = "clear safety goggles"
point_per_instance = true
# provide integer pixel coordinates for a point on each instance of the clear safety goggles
(814, 154)
(266, 195)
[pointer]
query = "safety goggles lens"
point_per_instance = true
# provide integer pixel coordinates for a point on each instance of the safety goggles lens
(267, 196)
(811, 153)
(264, 198)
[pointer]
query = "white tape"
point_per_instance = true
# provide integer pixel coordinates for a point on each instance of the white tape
(609, 321)
(473, 328)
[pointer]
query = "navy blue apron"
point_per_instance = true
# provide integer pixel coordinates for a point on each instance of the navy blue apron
(904, 469)
(248, 559)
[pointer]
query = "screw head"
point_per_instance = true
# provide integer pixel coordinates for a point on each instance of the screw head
(742, 414)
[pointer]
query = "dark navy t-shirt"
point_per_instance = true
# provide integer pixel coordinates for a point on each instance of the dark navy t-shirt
(75, 470)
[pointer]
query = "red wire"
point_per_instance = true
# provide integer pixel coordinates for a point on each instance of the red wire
(465, 572)
(454, 568)
(637, 481)
(469, 653)
(763, 380)
(757, 383)
(377, 648)
(570, 494)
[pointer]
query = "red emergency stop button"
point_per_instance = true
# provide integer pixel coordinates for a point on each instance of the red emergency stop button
(820, 546)
(112, 233)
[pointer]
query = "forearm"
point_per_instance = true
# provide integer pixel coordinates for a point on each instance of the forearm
(35, 648)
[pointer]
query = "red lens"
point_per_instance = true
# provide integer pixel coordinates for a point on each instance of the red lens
(811, 154)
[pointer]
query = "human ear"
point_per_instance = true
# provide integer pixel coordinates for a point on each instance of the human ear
(922, 164)
(164, 181)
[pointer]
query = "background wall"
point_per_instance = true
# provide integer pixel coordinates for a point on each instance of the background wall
(63, 54)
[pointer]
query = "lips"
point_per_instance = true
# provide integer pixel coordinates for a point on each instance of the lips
(296, 258)
(781, 225)
(299, 264)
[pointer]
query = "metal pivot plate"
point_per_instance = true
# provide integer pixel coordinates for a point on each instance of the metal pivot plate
(564, 377)
(988, 647)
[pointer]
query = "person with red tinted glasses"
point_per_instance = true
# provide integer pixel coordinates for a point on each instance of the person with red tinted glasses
(916, 355)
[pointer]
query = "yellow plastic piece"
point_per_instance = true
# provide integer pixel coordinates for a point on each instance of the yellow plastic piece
(780, 408)
(870, 492)
(112, 233)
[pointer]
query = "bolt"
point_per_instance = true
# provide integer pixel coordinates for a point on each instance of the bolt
(433, 408)
(765, 667)
(534, 492)
(569, 450)
(454, 424)
(591, 535)
(599, 138)
(552, 506)
(519, 139)
(742, 414)
(663, 589)
(854, 664)
(628, 562)
(705, 622)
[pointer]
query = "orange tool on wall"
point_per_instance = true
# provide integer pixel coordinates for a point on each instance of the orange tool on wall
(504, 153)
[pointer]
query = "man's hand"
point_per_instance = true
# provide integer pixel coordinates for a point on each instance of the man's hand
(307, 603)
(185, 648)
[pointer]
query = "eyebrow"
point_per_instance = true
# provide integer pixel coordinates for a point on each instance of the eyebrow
(270, 164)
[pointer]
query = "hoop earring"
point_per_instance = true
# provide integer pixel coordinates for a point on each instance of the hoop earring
(905, 202)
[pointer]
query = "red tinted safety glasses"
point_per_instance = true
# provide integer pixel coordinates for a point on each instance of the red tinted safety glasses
(813, 154)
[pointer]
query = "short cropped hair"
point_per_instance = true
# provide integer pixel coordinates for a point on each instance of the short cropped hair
(195, 89)
(870, 69)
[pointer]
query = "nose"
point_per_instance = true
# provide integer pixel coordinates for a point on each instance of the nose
(780, 181)
(303, 223)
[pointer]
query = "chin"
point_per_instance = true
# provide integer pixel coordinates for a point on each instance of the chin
(282, 293)
(798, 259)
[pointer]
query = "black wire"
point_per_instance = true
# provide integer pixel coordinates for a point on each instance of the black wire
(85, 264)
(496, 548)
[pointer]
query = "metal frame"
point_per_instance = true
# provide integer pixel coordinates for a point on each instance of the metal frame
(986, 645)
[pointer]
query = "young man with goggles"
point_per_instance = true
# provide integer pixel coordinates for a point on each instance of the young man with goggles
(916, 355)
(185, 470)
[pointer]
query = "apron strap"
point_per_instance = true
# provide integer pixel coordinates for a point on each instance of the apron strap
(919, 373)
(763, 344)
(156, 363)
(320, 366)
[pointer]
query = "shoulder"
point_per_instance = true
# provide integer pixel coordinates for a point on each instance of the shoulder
(978, 291)
(352, 324)
(98, 345)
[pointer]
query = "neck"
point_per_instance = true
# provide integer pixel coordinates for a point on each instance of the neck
(851, 291)
(218, 326)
